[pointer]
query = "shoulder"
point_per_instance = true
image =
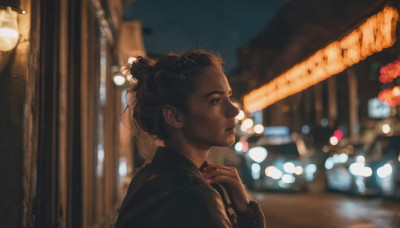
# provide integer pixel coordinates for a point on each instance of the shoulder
(197, 201)
(175, 201)
(203, 205)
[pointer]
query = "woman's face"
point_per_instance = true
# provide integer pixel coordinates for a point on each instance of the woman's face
(211, 117)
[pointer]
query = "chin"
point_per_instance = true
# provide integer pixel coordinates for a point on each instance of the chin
(228, 142)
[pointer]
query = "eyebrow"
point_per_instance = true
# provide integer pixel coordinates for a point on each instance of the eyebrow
(217, 92)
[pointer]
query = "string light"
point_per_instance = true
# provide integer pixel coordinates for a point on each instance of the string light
(375, 34)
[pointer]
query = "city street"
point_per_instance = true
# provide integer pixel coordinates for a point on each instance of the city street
(302, 97)
(321, 209)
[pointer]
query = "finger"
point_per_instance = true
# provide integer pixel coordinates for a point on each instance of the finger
(221, 167)
(212, 167)
(216, 172)
(221, 172)
(222, 179)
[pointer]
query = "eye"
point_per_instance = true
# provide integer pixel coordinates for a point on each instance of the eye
(216, 101)
(230, 98)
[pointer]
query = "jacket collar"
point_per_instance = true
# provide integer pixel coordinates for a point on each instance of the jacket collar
(167, 160)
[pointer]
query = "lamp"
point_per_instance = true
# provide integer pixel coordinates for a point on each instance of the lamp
(118, 78)
(8, 24)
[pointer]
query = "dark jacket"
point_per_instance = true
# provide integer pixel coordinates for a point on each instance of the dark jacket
(170, 192)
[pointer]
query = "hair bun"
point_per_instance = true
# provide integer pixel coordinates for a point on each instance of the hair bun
(141, 69)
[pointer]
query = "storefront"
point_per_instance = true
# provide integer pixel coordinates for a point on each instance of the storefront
(61, 112)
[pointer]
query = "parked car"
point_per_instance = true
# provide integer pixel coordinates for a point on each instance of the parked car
(275, 163)
(337, 174)
(376, 171)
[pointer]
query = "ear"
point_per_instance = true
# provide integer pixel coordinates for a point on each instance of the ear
(173, 116)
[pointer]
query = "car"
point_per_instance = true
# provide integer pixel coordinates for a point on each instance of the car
(337, 174)
(376, 171)
(276, 164)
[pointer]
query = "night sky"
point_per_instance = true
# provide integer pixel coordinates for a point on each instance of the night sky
(218, 25)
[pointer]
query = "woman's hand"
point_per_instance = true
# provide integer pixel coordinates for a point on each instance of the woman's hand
(230, 178)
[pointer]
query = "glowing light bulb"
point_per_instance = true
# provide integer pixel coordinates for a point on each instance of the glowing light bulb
(8, 29)
(118, 79)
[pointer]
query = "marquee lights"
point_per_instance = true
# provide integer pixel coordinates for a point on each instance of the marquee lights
(375, 34)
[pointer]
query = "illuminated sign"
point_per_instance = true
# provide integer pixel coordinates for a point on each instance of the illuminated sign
(281, 131)
(377, 109)
(375, 34)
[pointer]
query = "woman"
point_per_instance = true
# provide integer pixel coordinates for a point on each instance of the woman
(185, 101)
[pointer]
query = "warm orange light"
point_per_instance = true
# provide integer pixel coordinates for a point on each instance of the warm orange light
(8, 29)
(390, 96)
(376, 33)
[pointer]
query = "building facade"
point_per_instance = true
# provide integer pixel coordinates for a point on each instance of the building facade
(61, 115)
(318, 64)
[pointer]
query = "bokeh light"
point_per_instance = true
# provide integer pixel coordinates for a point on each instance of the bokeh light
(258, 154)
(240, 116)
(259, 129)
(386, 128)
(248, 123)
(334, 140)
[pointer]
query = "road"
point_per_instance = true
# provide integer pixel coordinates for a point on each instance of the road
(320, 210)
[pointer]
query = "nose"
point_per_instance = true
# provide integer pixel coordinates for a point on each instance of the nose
(232, 110)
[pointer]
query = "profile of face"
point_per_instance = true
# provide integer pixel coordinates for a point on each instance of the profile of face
(211, 117)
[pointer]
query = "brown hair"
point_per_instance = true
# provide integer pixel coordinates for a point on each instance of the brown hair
(168, 80)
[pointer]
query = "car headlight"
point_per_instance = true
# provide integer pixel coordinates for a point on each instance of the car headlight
(311, 168)
(329, 163)
(310, 171)
(289, 167)
(298, 170)
(359, 169)
(340, 158)
(258, 154)
(288, 179)
(384, 171)
(360, 159)
(273, 172)
(255, 170)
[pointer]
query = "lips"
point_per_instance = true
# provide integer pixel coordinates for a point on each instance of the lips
(231, 129)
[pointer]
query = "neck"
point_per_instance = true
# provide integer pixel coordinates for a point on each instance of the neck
(195, 153)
